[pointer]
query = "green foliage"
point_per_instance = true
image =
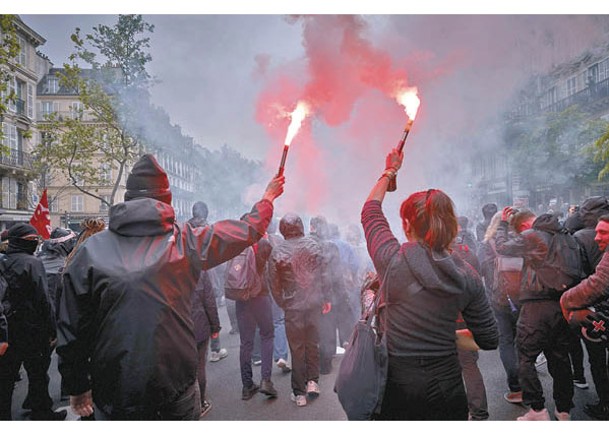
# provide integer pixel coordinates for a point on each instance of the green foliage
(554, 149)
(601, 153)
(113, 93)
(9, 49)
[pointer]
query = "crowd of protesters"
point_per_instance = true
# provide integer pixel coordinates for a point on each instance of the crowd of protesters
(131, 306)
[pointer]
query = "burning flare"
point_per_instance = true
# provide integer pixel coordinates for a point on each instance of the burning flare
(410, 100)
(298, 115)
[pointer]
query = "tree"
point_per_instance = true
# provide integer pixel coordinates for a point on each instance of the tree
(553, 150)
(105, 135)
(9, 48)
(601, 153)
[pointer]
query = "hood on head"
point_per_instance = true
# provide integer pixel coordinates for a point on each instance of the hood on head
(547, 222)
(593, 208)
(291, 226)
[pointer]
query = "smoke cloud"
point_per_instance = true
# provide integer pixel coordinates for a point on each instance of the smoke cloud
(467, 70)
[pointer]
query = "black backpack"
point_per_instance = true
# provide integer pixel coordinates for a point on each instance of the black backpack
(563, 267)
(241, 279)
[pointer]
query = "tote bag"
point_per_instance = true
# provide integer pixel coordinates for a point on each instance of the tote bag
(362, 374)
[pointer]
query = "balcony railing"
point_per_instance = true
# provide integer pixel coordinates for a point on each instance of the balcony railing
(16, 159)
(62, 115)
(595, 92)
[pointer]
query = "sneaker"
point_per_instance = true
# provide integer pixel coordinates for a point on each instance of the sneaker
(541, 360)
(580, 383)
(266, 387)
(256, 361)
(284, 365)
(598, 411)
(312, 388)
(205, 408)
(233, 331)
(300, 400)
(513, 396)
(562, 416)
(533, 415)
(248, 392)
(217, 356)
(49, 416)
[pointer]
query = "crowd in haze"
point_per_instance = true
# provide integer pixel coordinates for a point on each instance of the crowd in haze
(131, 306)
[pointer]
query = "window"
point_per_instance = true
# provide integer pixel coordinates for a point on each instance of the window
(603, 70)
(30, 101)
(52, 85)
(571, 86)
(22, 55)
(103, 207)
(46, 108)
(105, 173)
(12, 93)
(10, 136)
(77, 203)
(9, 193)
(54, 205)
(76, 110)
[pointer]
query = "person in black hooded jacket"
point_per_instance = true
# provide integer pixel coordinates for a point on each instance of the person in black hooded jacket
(426, 287)
(125, 329)
(296, 270)
(541, 326)
(31, 326)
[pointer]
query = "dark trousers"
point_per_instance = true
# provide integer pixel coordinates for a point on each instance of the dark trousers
(474, 384)
(254, 313)
(506, 323)
(597, 356)
(576, 354)
(302, 330)
(201, 367)
(340, 319)
(36, 363)
(424, 389)
(187, 406)
(542, 328)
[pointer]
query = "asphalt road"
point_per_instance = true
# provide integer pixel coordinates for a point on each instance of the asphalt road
(224, 391)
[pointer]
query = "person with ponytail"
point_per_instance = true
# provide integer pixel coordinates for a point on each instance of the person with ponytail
(427, 286)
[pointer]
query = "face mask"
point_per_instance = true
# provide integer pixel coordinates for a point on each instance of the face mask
(23, 245)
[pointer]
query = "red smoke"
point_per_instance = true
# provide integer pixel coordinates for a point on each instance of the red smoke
(349, 84)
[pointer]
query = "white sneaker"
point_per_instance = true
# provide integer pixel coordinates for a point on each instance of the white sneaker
(217, 356)
(299, 400)
(284, 365)
(313, 389)
(533, 415)
(541, 360)
(562, 416)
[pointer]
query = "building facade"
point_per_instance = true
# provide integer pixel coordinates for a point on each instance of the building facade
(19, 127)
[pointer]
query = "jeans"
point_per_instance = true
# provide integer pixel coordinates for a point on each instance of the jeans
(280, 344)
(254, 313)
(542, 328)
(201, 366)
(506, 323)
(474, 384)
(420, 388)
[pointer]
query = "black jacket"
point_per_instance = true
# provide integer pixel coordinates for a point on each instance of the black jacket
(532, 246)
(32, 321)
(125, 325)
(204, 309)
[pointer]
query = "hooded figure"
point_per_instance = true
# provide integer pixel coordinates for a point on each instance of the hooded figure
(31, 325)
(126, 335)
(295, 270)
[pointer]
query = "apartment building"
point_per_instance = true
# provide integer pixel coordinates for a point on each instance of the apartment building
(19, 184)
(581, 83)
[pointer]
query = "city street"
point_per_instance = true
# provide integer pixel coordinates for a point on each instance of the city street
(224, 391)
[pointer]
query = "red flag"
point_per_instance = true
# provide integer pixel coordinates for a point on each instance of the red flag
(41, 220)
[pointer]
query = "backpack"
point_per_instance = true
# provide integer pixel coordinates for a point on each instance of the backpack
(241, 279)
(507, 274)
(562, 268)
